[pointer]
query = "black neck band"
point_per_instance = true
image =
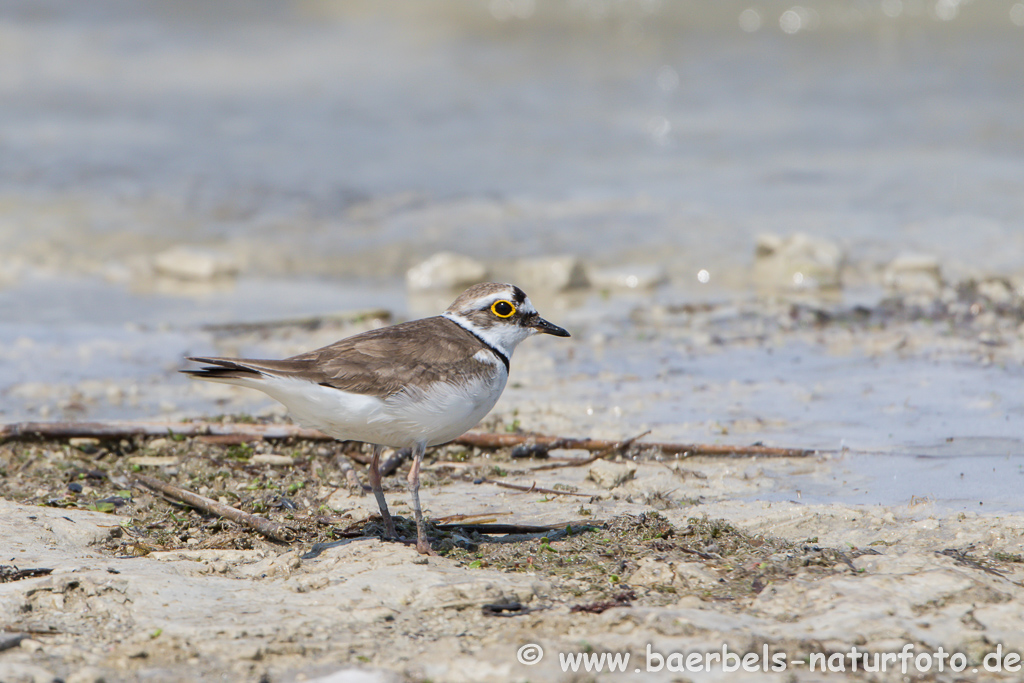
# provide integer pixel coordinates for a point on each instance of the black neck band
(490, 347)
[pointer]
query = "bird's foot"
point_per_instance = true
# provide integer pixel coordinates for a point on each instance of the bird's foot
(389, 527)
(423, 547)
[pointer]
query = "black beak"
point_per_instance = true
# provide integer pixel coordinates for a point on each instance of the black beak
(541, 325)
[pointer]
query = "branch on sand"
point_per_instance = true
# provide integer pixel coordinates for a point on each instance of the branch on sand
(521, 528)
(535, 489)
(534, 444)
(264, 526)
(548, 443)
(229, 431)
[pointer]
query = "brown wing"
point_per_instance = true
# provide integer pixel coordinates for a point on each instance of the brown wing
(383, 361)
(377, 363)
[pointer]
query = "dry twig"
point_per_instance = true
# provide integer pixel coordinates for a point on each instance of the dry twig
(619, 447)
(482, 440)
(257, 432)
(518, 528)
(621, 600)
(265, 526)
(9, 572)
(534, 489)
(22, 431)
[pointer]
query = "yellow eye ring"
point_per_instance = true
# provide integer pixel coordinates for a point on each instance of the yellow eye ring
(503, 309)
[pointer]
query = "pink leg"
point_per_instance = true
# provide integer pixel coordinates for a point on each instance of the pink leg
(422, 544)
(378, 492)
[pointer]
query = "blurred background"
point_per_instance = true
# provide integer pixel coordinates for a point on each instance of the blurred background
(664, 177)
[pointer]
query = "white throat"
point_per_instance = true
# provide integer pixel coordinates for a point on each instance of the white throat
(503, 337)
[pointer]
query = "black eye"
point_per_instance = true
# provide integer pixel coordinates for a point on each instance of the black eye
(502, 308)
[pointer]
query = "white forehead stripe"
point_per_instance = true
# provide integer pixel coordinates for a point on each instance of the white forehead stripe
(508, 295)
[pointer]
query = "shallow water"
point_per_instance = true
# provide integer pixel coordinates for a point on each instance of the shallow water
(328, 146)
(354, 137)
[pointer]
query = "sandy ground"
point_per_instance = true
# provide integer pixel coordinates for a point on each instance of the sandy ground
(682, 558)
(891, 554)
(901, 575)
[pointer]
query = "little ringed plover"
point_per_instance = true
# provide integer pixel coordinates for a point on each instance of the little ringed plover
(411, 385)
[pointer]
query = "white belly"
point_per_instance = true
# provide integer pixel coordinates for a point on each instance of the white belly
(433, 415)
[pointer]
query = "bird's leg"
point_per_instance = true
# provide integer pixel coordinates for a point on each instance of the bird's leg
(378, 492)
(414, 489)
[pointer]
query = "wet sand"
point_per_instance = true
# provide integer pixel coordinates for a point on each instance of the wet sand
(797, 578)
(892, 533)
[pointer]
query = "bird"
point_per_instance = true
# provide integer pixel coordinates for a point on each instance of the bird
(412, 385)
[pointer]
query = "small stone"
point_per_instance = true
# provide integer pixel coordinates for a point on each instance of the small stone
(551, 274)
(797, 262)
(75, 487)
(153, 460)
(83, 442)
(360, 676)
(652, 572)
(445, 271)
(87, 674)
(248, 651)
(31, 645)
(309, 584)
(355, 508)
(998, 292)
(694, 575)
(193, 263)
(610, 474)
(914, 274)
(272, 460)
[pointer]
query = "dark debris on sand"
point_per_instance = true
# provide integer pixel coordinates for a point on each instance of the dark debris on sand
(594, 560)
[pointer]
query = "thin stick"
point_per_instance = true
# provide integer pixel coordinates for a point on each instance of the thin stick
(482, 440)
(535, 489)
(12, 573)
(359, 457)
(518, 528)
(483, 518)
(258, 432)
(123, 430)
(264, 526)
(577, 462)
(345, 465)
